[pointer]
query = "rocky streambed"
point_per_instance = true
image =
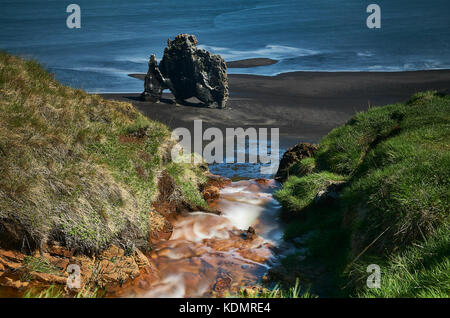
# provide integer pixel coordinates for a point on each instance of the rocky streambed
(212, 255)
(195, 254)
(198, 254)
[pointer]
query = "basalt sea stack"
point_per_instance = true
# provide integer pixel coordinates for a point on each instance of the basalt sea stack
(188, 72)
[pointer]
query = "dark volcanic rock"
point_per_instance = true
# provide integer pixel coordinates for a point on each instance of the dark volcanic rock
(188, 72)
(293, 155)
(154, 82)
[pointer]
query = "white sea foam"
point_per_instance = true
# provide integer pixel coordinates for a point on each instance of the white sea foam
(269, 51)
(104, 70)
(136, 59)
(365, 54)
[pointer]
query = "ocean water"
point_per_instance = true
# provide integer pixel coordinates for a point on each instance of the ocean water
(117, 37)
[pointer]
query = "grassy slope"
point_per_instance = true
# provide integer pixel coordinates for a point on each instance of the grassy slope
(394, 208)
(74, 167)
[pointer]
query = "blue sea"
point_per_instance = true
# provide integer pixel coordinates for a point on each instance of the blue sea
(117, 37)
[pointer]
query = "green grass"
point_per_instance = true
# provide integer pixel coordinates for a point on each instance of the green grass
(57, 292)
(299, 192)
(40, 265)
(75, 168)
(422, 270)
(275, 292)
(189, 179)
(50, 292)
(396, 163)
(303, 167)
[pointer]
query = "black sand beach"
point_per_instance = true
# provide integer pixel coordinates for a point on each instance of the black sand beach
(303, 105)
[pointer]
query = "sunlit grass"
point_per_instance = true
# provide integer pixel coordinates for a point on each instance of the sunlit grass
(58, 292)
(275, 292)
(76, 168)
(395, 160)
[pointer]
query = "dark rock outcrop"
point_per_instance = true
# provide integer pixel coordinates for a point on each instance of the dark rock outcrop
(293, 155)
(188, 72)
(154, 82)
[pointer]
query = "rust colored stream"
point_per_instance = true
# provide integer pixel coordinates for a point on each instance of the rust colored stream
(209, 255)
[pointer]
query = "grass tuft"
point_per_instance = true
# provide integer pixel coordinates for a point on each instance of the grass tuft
(40, 265)
(275, 292)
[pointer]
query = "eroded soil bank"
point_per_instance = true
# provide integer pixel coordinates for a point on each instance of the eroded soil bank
(198, 254)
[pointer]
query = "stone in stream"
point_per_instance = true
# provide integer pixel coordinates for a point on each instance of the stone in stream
(188, 72)
(250, 233)
(211, 193)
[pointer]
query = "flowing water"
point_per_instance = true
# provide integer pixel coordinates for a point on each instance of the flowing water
(211, 254)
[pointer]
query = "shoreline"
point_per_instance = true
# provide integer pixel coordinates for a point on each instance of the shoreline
(305, 106)
(141, 76)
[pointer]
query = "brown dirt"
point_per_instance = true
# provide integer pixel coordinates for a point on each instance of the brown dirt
(111, 268)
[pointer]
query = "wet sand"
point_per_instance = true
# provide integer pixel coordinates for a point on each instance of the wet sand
(305, 106)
